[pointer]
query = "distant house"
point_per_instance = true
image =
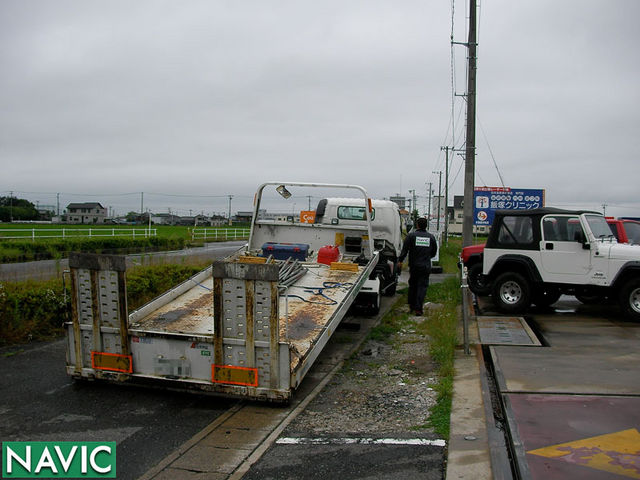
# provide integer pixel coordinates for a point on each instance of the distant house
(87, 213)
(165, 219)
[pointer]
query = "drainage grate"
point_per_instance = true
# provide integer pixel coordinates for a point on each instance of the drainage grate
(506, 331)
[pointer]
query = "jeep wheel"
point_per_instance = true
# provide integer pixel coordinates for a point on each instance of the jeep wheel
(546, 296)
(477, 281)
(511, 293)
(630, 299)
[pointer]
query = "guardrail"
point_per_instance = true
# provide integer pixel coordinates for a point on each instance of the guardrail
(39, 233)
(219, 234)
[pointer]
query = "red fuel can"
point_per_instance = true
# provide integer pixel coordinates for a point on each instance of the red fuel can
(328, 254)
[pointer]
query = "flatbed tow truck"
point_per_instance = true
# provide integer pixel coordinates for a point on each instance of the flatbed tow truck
(249, 326)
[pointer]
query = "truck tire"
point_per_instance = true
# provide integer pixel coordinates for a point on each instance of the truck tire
(630, 299)
(390, 289)
(511, 293)
(374, 306)
(478, 283)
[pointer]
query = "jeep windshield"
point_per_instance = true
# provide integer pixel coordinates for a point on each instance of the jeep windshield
(599, 227)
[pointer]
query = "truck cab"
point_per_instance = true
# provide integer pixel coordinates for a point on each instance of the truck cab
(386, 226)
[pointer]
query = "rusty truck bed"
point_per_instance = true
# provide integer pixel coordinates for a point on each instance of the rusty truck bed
(305, 309)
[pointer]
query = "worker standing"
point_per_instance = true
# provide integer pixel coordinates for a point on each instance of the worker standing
(421, 246)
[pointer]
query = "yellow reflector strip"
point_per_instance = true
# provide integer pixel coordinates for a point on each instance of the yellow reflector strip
(234, 375)
(112, 362)
(349, 267)
(250, 259)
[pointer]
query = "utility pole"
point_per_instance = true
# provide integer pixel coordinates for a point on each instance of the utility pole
(604, 209)
(429, 204)
(230, 197)
(58, 203)
(309, 197)
(413, 204)
(439, 197)
(446, 193)
(470, 157)
(11, 206)
(141, 203)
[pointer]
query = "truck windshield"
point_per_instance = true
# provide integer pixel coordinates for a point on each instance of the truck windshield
(354, 213)
(599, 227)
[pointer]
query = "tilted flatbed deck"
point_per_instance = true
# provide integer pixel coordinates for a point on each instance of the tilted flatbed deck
(237, 328)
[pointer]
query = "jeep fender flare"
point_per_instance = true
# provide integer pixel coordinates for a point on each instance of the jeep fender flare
(628, 270)
(473, 259)
(516, 263)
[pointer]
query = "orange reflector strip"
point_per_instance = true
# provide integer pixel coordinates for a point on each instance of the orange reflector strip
(234, 375)
(349, 267)
(112, 362)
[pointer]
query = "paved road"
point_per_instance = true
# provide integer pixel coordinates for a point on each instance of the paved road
(572, 405)
(48, 269)
(39, 402)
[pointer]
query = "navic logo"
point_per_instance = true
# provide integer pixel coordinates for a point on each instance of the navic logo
(58, 460)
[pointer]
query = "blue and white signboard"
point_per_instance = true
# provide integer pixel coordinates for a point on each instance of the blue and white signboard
(486, 200)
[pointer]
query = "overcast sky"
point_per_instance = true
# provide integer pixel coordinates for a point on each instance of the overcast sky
(192, 101)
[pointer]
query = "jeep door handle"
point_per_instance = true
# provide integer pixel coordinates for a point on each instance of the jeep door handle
(549, 246)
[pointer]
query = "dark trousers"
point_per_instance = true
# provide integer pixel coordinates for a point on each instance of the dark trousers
(418, 283)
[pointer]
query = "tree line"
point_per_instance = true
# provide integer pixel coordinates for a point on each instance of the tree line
(12, 208)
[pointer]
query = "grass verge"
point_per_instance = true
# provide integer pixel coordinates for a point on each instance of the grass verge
(36, 311)
(441, 328)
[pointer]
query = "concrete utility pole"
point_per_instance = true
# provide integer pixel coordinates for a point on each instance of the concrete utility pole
(230, 197)
(413, 203)
(141, 203)
(470, 157)
(446, 193)
(429, 204)
(439, 198)
(58, 203)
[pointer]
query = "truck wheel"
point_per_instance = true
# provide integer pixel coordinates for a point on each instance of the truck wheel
(374, 306)
(546, 296)
(630, 299)
(478, 283)
(511, 293)
(390, 291)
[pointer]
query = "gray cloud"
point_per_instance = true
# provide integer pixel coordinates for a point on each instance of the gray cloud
(212, 98)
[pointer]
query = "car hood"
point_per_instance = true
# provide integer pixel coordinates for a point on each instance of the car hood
(622, 251)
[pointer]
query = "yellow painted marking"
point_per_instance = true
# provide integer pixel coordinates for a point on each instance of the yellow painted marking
(617, 453)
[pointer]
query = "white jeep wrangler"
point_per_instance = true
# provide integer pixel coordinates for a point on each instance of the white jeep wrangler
(534, 256)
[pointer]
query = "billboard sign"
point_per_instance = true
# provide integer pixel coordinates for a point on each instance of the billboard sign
(486, 200)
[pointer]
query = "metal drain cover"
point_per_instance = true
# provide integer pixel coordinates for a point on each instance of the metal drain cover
(506, 331)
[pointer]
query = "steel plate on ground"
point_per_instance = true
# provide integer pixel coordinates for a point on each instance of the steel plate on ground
(506, 331)
(575, 436)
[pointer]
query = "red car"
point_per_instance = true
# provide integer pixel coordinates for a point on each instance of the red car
(625, 230)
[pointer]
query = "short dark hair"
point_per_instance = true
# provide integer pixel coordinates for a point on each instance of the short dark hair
(422, 223)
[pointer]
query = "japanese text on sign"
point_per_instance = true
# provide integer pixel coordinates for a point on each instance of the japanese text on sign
(486, 200)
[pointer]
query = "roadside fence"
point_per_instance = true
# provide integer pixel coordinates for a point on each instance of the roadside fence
(39, 233)
(214, 234)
